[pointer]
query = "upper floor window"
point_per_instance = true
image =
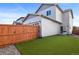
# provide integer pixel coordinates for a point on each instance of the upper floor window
(48, 12)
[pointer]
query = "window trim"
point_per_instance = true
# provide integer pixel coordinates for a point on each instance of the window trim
(48, 12)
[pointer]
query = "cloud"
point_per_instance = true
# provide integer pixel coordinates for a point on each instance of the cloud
(11, 15)
(76, 20)
(8, 15)
(8, 18)
(6, 21)
(15, 8)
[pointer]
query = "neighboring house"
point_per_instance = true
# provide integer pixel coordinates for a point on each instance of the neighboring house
(51, 19)
(18, 21)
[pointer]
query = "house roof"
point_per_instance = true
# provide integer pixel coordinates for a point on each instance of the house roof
(67, 10)
(50, 19)
(43, 17)
(28, 16)
(54, 4)
(57, 7)
(24, 18)
(20, 18)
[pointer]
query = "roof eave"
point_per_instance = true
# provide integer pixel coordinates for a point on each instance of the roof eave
(52, 5)
(50, 19)
(70, 11)
(43, 17)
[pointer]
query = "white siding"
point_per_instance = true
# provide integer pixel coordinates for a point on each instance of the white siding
(58, 15)
(53, 12)
(67, 22)
(49, 27)
(70, 23)
(32, 20)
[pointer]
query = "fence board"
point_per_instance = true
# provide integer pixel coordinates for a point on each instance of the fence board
(12, 34)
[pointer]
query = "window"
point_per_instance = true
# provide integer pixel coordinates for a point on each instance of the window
(61, 28)
(48, 12)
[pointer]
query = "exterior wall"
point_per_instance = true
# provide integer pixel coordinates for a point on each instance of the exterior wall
(49, 27)
(44, 11)
(33, 20)
(58, 15)
(70, 23)
(67, 22)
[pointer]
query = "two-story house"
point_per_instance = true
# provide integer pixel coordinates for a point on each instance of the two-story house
(51, 19)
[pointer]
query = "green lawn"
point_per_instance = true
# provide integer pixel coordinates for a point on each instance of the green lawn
(52, 45)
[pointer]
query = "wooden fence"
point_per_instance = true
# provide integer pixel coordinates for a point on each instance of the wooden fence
(12, 34)
(76, 32)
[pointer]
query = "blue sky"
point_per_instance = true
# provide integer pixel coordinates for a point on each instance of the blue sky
(9, 12)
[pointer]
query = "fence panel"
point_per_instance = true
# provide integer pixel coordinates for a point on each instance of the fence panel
(12, 34)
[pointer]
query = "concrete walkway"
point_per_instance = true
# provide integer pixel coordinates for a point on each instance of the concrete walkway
(10, 50)
(77, 36)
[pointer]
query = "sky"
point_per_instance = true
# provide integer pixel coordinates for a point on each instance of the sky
(10, 12)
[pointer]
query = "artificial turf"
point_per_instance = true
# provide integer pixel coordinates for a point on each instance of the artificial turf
(51, 45)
